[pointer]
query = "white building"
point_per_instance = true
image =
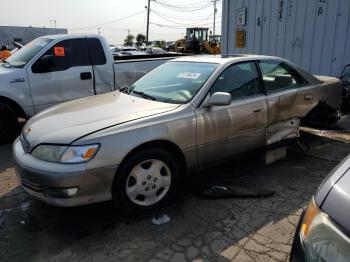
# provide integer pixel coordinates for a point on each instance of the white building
(24, 35)
(315, 34)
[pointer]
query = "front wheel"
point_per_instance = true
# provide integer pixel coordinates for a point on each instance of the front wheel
(146, 181)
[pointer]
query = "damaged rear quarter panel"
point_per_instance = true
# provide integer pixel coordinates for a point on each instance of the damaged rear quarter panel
(287, 107)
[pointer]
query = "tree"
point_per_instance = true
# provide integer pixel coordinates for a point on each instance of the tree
(140, 38)
(129, 40)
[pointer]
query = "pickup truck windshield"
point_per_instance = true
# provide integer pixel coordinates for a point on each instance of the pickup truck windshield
(174, 82)
(26, 53)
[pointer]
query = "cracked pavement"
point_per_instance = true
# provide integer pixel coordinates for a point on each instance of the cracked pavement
(201, 229)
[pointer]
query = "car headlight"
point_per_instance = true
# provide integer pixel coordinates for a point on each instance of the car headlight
(65, 154)
(322, 239)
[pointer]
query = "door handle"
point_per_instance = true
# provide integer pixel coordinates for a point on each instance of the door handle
(85, 75)
(257, 110)
(308, 97)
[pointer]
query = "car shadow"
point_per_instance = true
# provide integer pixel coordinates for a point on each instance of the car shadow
(35, 230)
(5, 157)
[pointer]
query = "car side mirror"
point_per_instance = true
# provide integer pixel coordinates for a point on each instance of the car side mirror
(44, 64)
(219, 99)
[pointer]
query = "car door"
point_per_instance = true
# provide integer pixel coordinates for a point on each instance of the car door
(67, 75)
(224, 131)
(103, 72)
(289, 98)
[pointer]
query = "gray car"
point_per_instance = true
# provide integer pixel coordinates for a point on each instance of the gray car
(323, 233)
(135, 145)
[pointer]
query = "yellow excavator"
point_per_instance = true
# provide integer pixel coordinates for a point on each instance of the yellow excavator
(196, 41)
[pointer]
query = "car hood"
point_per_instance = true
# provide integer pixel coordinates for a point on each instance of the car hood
(67, 122)
(333, 195)
(11, 75)
(337, 203)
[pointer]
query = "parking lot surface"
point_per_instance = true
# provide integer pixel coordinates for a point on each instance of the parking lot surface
(251, 228)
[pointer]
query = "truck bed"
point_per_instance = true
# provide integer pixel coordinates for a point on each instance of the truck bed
(128, 69)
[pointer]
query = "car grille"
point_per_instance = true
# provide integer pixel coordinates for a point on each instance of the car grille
(25, 144)
(31, 185)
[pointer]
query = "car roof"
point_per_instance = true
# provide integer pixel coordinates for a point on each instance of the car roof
(223, 59)
(69, 36)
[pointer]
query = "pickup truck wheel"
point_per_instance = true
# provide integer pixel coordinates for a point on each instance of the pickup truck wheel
(8, 124)
(146, 181)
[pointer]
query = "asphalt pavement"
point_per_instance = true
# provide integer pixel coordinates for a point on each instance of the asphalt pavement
(200, 229)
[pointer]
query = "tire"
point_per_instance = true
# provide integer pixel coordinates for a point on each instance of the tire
(146, 181)
(9, 128)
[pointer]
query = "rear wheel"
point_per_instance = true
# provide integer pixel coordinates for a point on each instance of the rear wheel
(9, 128)
(146, 181)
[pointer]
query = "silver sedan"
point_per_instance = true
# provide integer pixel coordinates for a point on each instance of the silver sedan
(135, 145)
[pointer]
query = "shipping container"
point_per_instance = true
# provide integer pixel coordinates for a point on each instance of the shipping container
(314, 34)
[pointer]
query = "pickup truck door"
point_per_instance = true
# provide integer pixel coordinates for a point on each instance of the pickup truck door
(65, 75)
(101, 66)
(289, 98)
(224, 131)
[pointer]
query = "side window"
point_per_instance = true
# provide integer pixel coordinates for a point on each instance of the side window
(278, 76)
(97, 55)
(240, 80)
(67, 54)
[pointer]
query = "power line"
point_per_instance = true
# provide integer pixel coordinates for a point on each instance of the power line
(187, 5)
(174, 22)
(184, 8)
(109, 22)
(193, 6)
(181, 27)
(172, 16)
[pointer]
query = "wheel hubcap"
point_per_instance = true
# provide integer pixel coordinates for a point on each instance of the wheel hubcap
(148, 182)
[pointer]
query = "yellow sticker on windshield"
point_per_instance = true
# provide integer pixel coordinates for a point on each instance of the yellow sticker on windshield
(189, 75)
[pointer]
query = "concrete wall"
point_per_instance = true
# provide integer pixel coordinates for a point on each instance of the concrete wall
(9, 33)
(315, 34)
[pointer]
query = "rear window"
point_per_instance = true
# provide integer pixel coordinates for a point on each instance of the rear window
(96, 52)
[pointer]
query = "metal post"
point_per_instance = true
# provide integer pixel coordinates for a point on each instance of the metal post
(148, 10)
(214, 16)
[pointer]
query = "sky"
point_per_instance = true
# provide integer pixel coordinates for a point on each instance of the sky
(168, 18)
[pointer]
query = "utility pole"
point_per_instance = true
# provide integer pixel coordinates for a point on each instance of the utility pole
(148, 11)
(215, 10)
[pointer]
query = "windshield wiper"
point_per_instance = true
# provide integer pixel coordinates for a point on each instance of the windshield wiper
(126, 89)
(142, 94)
(8, 65)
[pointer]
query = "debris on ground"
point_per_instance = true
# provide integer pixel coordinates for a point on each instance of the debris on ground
(25, 205)
(160, 220)
(273, 155)
(342, 136)
(227, 191)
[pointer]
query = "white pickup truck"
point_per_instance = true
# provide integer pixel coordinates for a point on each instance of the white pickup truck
(54, 69)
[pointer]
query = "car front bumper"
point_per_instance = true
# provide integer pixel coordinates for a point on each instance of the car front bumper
(40, 178)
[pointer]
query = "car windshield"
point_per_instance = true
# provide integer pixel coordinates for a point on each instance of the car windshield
(173, 82)
(26, 53)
